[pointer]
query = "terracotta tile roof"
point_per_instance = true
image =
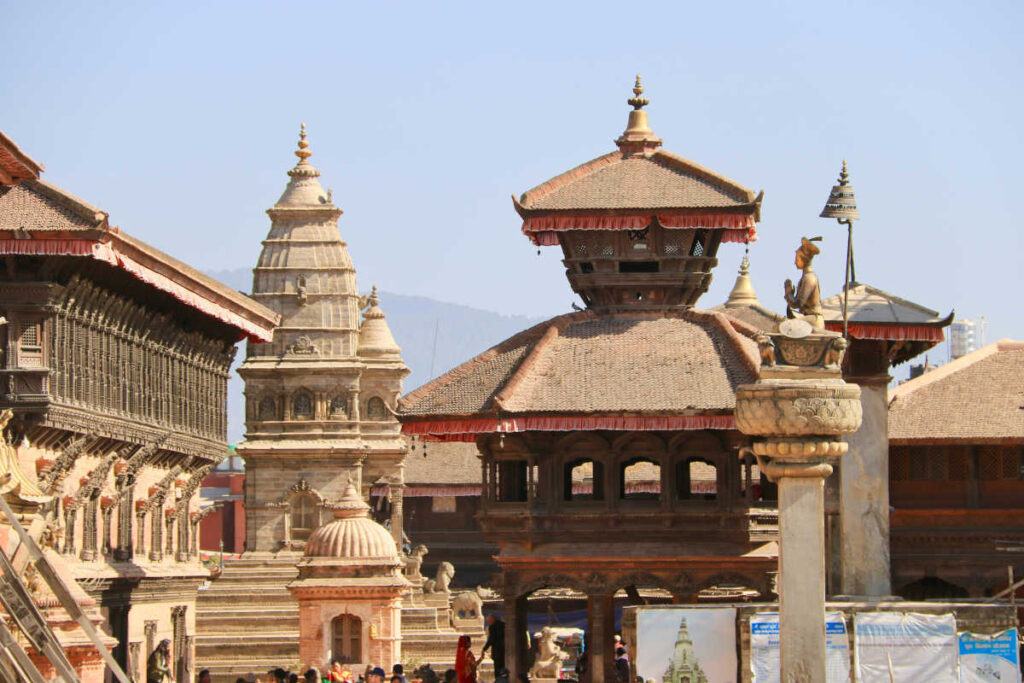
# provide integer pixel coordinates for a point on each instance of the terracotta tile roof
(36, 205)
(755, 315)
(978, 398)
(445, 463)
(15, 165)
(584, 363)
(37, 217)
(616, 181)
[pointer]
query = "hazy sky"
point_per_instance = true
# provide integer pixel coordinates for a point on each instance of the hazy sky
(179, 119)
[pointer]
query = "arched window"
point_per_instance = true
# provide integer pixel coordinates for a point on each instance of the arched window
(304, 517)
(302, 407)
(696, 479)
(583, 480)
(268, 409)
(339, 407)
(639, 479)
(376, 409)
(346, 639)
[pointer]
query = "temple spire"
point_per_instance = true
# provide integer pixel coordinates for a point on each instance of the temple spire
(743, 293)
(638, 138)
(303, 168)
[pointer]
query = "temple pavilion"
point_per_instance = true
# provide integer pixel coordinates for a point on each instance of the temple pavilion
(640, 381)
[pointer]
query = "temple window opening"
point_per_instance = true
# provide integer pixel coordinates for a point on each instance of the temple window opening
(640, 479)
(339, 407)
(304, 517)
(346, 630)
(302, 407)
(268, 409)
(511, 485)
(376, 409)
(584, 480)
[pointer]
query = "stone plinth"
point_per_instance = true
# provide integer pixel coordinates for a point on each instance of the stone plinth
(800, 409)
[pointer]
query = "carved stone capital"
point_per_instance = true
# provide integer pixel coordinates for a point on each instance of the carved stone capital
(797, 408)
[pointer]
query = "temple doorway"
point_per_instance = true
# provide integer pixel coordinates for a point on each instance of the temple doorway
(346, 639)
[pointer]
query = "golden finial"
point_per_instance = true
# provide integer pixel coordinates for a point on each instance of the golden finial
(374, 298)
(302, 152)
(638, 90)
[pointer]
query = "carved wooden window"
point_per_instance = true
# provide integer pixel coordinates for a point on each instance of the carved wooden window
(30, 344)
(346, 639)
(268, 409)
(339, 407)
(583, 480)
(304, 517)
(697, 479)
(512, 482)
(989, 463)
(302, 407)
(376, 409)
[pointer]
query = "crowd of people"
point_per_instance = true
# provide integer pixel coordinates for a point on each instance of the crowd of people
(465, 671)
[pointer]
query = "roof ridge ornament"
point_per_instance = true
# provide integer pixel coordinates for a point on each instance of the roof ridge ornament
(638, 138)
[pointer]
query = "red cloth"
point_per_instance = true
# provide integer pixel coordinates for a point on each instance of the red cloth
(465, 662)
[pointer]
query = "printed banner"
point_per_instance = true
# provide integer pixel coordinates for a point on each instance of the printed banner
(765, 655)
(989, 659)
(685, 645)
(905, 647)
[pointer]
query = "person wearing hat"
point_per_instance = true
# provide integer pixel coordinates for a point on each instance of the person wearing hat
(158, 666)
(805, 299)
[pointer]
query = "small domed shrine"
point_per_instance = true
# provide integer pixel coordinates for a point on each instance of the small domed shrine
(594, 427)
(350, 590)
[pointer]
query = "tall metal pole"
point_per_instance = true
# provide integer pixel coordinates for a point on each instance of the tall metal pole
(846, 276)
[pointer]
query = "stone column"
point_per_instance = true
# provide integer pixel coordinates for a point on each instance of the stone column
(864, 498)
(799, 409)
(397, 526)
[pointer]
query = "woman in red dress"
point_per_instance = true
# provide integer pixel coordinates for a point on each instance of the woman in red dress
(465, 662)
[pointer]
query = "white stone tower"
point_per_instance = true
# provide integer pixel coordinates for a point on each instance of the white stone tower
(319, 398)
(684, 667)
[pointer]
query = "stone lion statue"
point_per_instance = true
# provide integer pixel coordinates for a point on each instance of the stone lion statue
(413, 562)
(549, 656)
(445, 574)
(467, 606)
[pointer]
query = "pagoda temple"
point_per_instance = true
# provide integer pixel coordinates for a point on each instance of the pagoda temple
(639, 382)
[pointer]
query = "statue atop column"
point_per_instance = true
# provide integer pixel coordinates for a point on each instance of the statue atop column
(804, 301)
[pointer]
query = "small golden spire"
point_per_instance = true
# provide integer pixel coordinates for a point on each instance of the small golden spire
(302, 152)
(638, 89)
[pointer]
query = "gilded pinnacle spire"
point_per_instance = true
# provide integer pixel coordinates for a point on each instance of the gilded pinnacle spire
(638, 89)
(844, 176)
(638, 138)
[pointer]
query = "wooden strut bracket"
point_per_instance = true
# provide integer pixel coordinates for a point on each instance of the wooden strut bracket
(63, 595)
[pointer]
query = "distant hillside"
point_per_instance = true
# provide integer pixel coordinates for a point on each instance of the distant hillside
(462, 332)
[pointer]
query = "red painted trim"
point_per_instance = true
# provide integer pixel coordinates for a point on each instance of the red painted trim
(925, 333)
(466, 430)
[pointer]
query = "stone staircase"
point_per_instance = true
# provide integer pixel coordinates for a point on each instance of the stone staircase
(247, 621)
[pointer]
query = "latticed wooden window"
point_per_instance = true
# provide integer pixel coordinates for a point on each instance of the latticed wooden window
(30, 345)
(899, 464)
(989, 463)
(347, 639)
(1012, 463)
(958, 470)
(928, 464)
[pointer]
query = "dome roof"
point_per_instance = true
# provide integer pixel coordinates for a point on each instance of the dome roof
(352, 535)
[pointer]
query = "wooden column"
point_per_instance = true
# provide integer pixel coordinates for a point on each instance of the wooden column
(515, 636)
(600, 632)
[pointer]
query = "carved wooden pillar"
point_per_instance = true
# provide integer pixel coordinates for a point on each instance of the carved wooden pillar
(397, 495)
(124, 552)
(149, 628)
(89, 529)
(179, 644)
(169, 521)
(193, 547)
(140, 526)
(183, 534)
(134, 655)
(515, 630)
(157, 535)
(108, 513)
(69, 529)
(600, 631)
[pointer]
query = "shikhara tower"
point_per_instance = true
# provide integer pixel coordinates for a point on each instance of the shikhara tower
(319, 397)
(684, 667)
